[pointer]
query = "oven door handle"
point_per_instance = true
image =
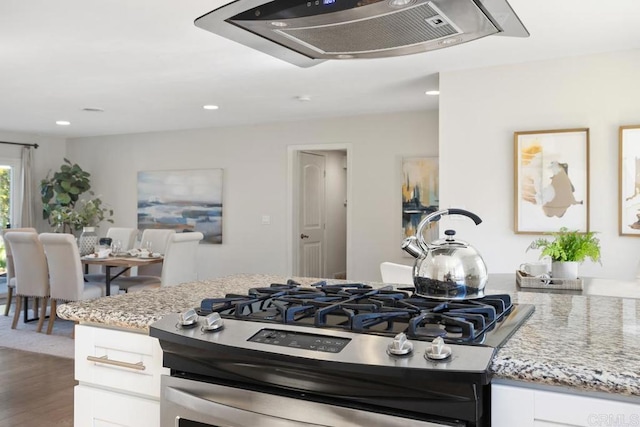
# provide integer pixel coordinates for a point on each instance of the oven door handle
(229, 414)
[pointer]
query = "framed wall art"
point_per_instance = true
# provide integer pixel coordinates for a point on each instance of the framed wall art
(551, 180)
(629, 181)
(419, 194)
(184, 200)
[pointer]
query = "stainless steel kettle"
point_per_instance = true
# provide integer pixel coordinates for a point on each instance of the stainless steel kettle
(448, 268)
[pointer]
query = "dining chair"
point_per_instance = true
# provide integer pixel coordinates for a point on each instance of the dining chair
(31, 274)
(65, 273)
(159, 239)
(126, 235)
(179, 265)
(11, 283)
(396, 273)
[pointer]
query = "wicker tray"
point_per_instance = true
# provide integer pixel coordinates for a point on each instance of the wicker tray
(525, 281)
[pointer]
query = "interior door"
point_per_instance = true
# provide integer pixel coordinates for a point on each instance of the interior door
(311, 215)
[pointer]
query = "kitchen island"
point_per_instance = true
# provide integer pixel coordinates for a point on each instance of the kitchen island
(585, 344)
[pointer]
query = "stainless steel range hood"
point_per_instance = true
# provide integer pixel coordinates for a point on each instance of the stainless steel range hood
(307, 32)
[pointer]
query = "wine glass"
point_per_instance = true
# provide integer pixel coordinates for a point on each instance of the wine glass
(147, 247)
(116, 247)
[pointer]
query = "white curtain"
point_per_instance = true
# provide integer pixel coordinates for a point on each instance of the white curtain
(26, 214)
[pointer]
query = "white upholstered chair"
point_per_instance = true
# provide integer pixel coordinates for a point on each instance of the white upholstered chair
(396, 273)
(31, 274)
(159, 239)
(127, 236)
(65, 273)
(11, 281)
(179, 265)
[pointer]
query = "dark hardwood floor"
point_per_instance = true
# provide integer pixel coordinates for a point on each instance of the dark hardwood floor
(35, 389)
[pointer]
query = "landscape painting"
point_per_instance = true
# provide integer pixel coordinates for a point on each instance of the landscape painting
(419, 194)
(184, 200)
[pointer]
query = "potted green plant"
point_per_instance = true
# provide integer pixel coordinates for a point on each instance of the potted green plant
(85, 213)
(66, 211)
(62, 190)
(567, 249)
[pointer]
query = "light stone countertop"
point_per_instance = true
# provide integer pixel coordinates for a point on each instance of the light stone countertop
(140, 309)
(585, 342)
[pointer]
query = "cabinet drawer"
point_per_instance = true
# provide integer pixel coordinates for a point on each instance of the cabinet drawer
(103, 408)
(584, 411)
(122, 360)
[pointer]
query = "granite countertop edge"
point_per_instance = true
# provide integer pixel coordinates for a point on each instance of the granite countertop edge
(564, 375)
(126, 311)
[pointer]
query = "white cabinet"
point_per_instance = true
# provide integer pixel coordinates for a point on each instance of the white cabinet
(104, 408)
(532, 407)
(119, 378)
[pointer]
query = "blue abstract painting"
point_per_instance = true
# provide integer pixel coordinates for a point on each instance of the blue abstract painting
(184, 200)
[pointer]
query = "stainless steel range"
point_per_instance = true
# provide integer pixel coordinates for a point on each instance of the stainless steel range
(333, 355)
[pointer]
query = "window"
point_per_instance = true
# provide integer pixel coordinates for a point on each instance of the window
(9, 176)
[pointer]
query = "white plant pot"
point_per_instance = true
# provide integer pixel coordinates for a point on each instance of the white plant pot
(564, 270)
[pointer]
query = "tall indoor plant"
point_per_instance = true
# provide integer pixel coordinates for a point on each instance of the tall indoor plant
(62, 205)
(60, 192)
(567, 249)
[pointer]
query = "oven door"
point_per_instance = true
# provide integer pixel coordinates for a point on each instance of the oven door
(188, 403)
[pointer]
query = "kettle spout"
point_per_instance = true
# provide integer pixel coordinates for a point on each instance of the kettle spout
(412, 247)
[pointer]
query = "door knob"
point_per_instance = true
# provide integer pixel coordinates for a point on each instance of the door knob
(304, 236)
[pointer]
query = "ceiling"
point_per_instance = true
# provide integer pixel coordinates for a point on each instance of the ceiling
(150, 68)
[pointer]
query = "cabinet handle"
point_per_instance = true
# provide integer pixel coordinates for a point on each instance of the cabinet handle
(105, 359)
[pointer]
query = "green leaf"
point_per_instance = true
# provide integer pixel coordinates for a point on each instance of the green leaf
(63, 198)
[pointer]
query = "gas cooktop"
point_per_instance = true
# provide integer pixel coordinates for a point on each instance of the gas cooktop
(386, 311)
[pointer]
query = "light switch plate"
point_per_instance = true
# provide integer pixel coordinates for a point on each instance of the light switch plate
(266, 219)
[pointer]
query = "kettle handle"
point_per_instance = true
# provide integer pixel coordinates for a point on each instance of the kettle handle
(471, 215)
(435, 216)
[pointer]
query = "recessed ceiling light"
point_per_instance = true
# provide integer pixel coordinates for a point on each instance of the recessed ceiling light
(400, 3)
(210, 107)
(432, 92)
(279, 24)
(63, 123)
(303, 98)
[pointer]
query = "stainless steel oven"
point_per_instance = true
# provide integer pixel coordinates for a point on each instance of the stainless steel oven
(188, 403)
(332, 356)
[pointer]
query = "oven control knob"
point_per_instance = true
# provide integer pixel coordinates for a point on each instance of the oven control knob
(188, 319)
(213, 323)
(438, 351)
(400, 346)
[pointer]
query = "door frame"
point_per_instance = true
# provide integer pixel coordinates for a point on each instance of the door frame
(292, 220)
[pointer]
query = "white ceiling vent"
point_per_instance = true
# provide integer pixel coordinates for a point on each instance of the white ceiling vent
(307, 32)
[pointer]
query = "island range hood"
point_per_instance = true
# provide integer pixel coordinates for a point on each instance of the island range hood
(307, 32)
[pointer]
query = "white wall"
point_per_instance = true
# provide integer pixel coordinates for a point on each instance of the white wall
(48, 156)
(254, 160)
(481, 109)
